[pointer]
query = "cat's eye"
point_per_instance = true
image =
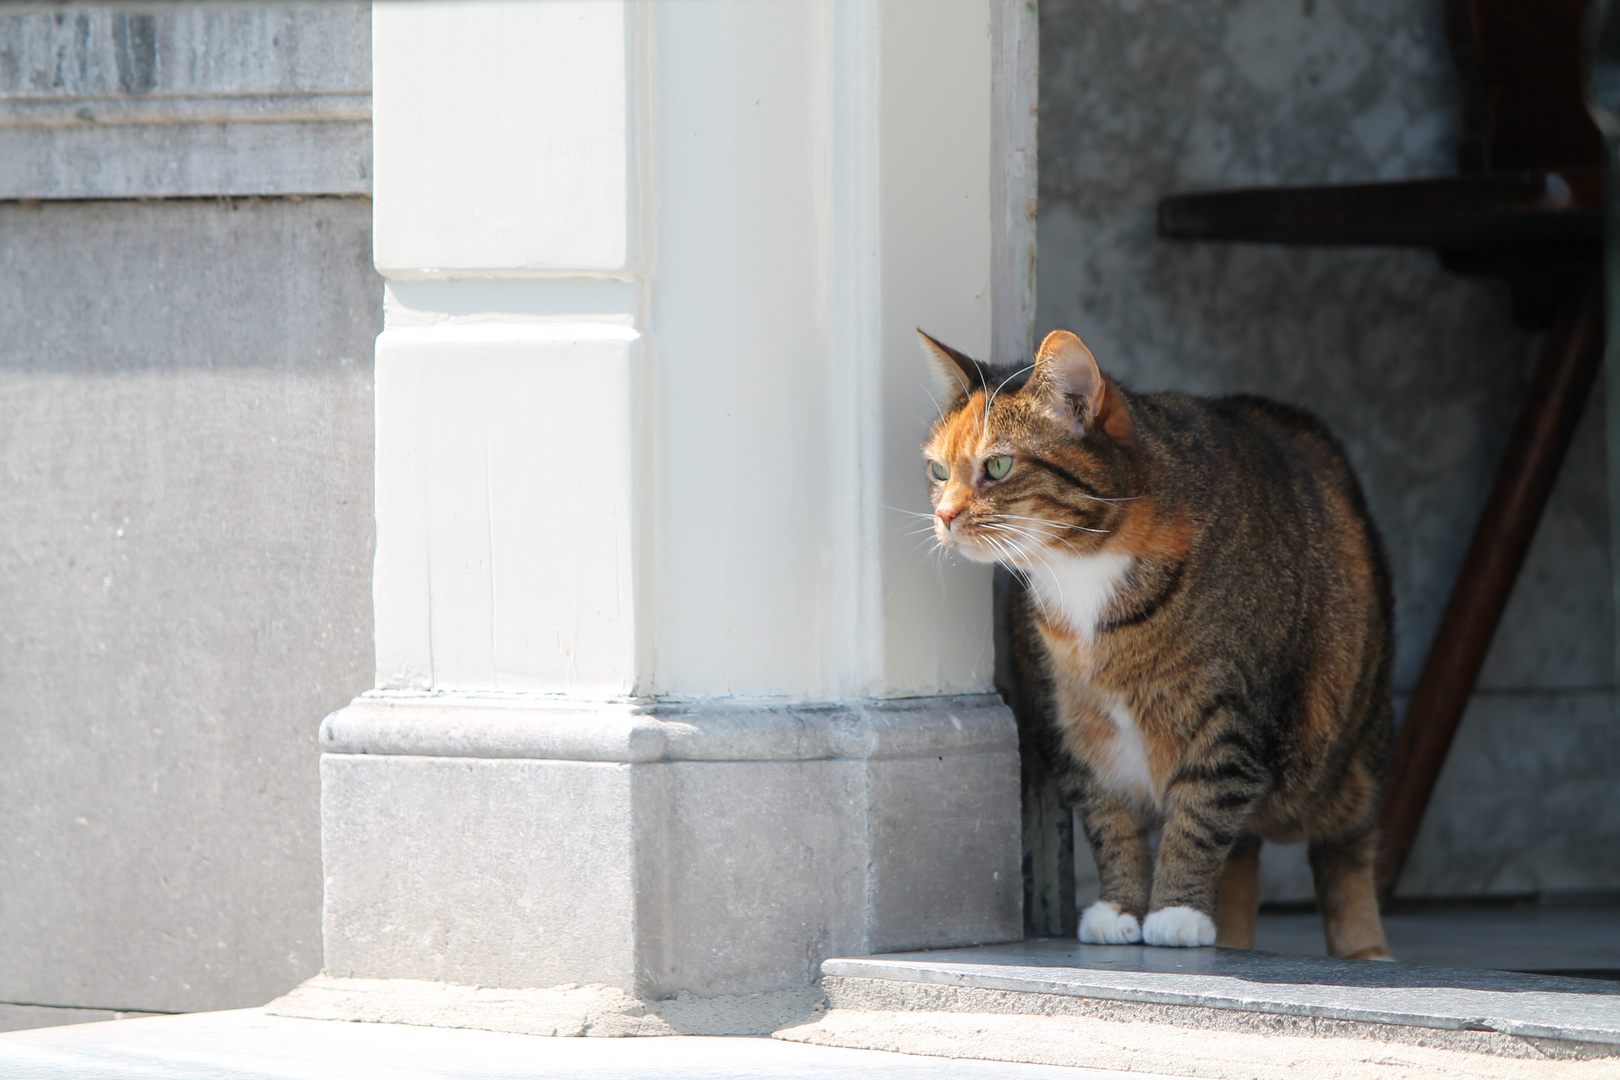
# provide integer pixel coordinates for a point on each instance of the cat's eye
(939, 471)
(997, 467)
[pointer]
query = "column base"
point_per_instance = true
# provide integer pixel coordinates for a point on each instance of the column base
(658, 851)
(603, 1011)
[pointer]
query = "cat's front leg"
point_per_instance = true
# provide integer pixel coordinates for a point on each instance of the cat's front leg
(1118, 841)
(1207, 805)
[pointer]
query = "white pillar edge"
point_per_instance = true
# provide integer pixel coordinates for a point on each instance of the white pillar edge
(1015, 96)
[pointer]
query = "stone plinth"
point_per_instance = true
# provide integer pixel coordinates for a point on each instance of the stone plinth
(709, 849)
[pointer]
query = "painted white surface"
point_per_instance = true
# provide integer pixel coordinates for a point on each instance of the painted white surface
(502, 136)
(823, 175)
(935, 237)
(1015, 35)
(748, 470)
(767, 200)
(504, 511)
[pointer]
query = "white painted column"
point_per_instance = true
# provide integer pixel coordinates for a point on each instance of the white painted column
(668, 697)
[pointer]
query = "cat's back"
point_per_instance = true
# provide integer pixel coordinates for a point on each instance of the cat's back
(1276, 498)
(1248, 451)
(1221, 436)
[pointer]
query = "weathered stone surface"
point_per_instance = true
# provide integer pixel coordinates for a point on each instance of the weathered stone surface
(185, 549)
(187, 99)
(1582, 1011)
(944, 851)
(748, 869)
(859, 826)
(495, 873)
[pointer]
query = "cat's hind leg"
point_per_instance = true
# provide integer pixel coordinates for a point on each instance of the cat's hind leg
(1347, 893)
(1237, 901)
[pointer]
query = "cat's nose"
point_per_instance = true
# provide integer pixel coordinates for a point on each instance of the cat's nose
(947, 514)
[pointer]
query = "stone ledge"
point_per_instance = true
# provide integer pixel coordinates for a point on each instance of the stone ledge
(639, 733)
(883, 997)
(1484, 1011)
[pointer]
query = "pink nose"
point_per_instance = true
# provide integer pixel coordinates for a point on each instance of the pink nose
(947, 515)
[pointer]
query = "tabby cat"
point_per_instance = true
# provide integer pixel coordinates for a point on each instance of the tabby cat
(1209, 606)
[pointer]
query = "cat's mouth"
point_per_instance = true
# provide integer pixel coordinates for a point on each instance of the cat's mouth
(964, 538)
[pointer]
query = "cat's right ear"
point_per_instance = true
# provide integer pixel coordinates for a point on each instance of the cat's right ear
(958, 372)
(1067, 376)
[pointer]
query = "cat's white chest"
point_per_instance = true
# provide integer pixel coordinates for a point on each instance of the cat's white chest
(1126, 769)
(1077, 589)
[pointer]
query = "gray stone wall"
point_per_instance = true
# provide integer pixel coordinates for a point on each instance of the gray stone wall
(185, 493)
(185, 99)
(185, 588)
(1419, 371)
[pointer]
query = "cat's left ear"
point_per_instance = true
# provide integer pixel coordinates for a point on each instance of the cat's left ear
(959, 373)
(1067, 376)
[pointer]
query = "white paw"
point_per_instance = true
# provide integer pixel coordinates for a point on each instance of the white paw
(1178, 926)
(1105, 924)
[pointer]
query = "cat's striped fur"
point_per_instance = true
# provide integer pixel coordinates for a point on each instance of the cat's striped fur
(1208, 604)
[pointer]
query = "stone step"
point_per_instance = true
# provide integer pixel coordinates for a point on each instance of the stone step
(1176, 1010)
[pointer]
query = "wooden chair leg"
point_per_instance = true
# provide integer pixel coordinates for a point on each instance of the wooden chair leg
(1552, 407)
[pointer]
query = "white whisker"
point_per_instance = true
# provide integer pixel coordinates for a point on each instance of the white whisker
(990, 395)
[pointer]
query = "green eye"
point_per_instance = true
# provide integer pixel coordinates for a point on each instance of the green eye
(939, 471)
(997, 467)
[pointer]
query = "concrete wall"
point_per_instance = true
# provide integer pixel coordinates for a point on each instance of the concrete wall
(185, 576)
(1418, 371)
(185, 493)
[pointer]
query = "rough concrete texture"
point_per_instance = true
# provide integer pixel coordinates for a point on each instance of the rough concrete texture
(185, 547)
(944, 860)
(571, 1010)
(1156, 1048)
(707, 878)
(495, 873)
(249, 1044)
(1581, 1015)
(890, 997)
(1418, 371)
(188, 99)
(749, 870)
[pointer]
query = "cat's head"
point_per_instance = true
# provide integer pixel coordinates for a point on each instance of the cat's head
(1028, 463)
